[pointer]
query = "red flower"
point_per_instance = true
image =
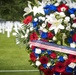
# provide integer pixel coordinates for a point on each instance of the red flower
(67, 62)
(59, 67)
(44, 60)
(74, 20)
(50, 35)
(72, 58)
(41, 68)
(33, 36)
(74, 37)
(62, 7)
(66, 73)
(48, 72)
(33, 57)
(48, 25)
(33, 47)
(53, 55)
(27, 20)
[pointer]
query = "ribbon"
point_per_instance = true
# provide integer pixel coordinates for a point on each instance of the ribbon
(54, 47)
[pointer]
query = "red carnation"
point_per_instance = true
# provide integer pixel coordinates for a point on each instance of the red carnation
(33, 47)
(53, 55)
(59, 67)
(27, 20)
(50, 35)
(33, 57)
(66, 73)
(33, 36)
(72, 58)
(48, 72)
(44, 60)
(74, 37)
(62, 7)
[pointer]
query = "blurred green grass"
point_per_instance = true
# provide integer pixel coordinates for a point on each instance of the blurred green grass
(13, 57)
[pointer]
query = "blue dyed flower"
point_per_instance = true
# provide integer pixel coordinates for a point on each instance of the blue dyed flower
(49, 52)
(37, 55)
(47, 11)
(44, 35)
(45, 65)
(69, 69)
(57, 73)
(72, 32)
(72, 10)
(70, 40)
(34, 23)
(61, 58)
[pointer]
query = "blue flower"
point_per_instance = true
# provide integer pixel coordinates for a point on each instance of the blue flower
(37, 55)
(49, 52)
(57, 73)
(46, 11)
(45, 65)
(61, 58)
(70, 40)
(35, 23)
(72, 32)
(42, 51)
(72, 10)
(44, 35)
(69, 69)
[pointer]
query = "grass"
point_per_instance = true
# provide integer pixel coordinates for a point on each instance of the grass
(13, 57)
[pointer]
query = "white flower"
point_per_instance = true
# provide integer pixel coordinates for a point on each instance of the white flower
(62, 14)
(38, 51)
(74, 25)
(27, 31)
(56, 25)
(68, 27)
(56, 4)
(72, 65)
(38, 63)
(67, 19)
(73, 45)
(45, 30)
(43, 25)
(65, 57)
(48, 64)
(41, 28)
(31, 28)
(35, 19)
(42, 18)
(54, 38)
(72, 15)
(26, 35)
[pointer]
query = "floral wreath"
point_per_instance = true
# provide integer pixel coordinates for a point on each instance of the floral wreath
(50, 22)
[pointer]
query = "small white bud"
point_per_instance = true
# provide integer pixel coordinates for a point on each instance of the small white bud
(72, 45)
(38, 51)
(72, 65)
(72, 15)
(38, 63)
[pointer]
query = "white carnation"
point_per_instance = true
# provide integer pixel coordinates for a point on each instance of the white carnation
(38, 63)
(45, 30)
(73, 45)
(62, 14)
(72, 65)
(38, 51)
(74, 25)
(56, 4)
(31, 28)
(72, 15)
(35, 19)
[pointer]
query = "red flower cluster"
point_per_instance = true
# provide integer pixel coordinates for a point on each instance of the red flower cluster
(27, 20)
(72, 58)
(53, 55)
(32, 56)
(48, 72)
(59, 67)
(33, 36)
(74, 37)
(62, 7)
(44, 60)
(50, 35)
